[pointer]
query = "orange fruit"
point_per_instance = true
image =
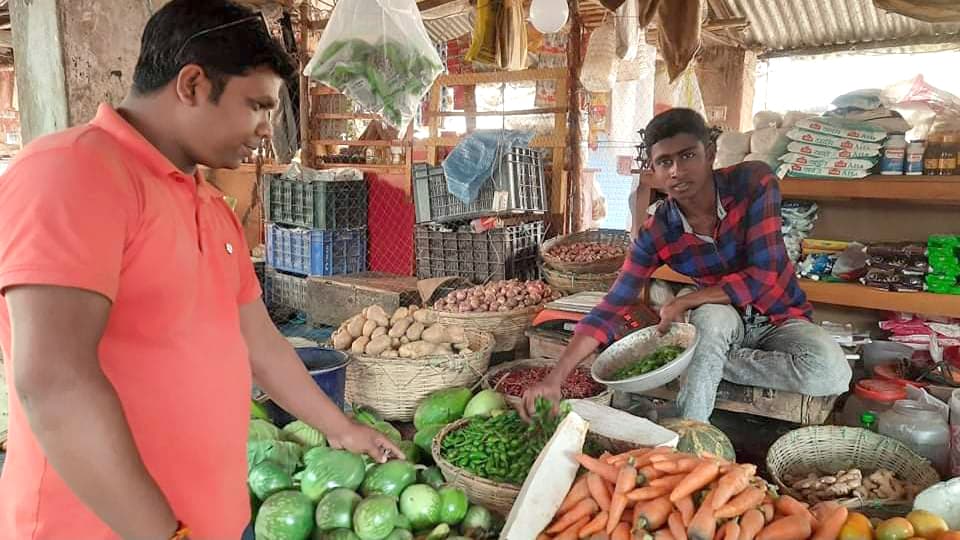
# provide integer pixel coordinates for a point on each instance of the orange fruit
(897, 528)
(927, 524)
(857, 527)
(949, 535)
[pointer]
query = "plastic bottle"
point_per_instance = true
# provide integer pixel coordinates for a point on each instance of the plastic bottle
(955, 433)
(870, 396)
(931, 156)
(920, 427)
(948, 154)
(894, 154)
(868, 421)
(914, 159)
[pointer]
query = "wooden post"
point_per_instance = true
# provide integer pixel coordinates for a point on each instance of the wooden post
(574, 62)
(306, 145)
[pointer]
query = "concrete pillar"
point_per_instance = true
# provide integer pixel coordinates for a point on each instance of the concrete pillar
(72, 55)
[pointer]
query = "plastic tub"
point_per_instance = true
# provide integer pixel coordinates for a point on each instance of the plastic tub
(922, 428)
(870, 395)
(328, 369)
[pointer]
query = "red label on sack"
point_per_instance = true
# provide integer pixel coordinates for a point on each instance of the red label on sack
(802, 160)
(846, 144)
(808, 138)
(815, 125)
(840, 163)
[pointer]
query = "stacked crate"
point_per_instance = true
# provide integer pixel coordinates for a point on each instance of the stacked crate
(316, 226)
(446, 244)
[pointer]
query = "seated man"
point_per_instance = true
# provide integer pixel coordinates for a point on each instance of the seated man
(722, 229)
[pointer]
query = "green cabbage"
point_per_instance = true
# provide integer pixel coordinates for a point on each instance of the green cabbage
(261, 430)
(335, 510)
(333, 469)
(484, 403)
(375, 517)
(442, 407)
(303, 434)
(283, 453)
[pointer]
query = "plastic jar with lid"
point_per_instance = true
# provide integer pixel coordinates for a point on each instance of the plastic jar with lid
(894, 155)
(870, 395)
(921, 427)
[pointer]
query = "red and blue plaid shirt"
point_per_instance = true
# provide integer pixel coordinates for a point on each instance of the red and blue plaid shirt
(747, 256)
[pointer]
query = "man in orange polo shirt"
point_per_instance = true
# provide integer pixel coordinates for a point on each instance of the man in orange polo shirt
(130, 315)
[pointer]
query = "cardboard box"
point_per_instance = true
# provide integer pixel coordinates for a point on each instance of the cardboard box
(332, 300)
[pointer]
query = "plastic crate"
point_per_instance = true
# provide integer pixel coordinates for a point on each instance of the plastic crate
(335, 204)
(517, 186)
(316, 252)
(285, 290)
(506, 253)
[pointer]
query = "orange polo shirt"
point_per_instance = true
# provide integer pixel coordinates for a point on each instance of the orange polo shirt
(98, 208)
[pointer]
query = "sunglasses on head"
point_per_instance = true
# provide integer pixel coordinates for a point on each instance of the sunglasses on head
(258, 17)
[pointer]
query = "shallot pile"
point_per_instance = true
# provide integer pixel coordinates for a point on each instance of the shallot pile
(498, 296)
(585, 252)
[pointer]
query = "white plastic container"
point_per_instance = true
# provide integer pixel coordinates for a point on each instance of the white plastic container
(914, 160)
(922, 428)
(894, 155)
(955, 433)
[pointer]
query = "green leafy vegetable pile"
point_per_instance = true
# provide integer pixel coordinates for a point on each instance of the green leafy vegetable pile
(655, 360)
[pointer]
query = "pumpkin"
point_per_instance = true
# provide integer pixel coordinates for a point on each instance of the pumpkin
(698, 437)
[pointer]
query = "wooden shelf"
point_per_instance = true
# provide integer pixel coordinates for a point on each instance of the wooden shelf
(464, 79)
(346, 116)
(472, 114)
(338, 142)
(268, 168)
(927, 189)
(368, 167)
(859, 296)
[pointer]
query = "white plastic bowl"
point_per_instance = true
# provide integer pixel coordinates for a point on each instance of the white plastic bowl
(636, 346)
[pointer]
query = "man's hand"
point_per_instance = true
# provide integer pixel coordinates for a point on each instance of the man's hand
(365, 440)
(673, 311)
(548, 388)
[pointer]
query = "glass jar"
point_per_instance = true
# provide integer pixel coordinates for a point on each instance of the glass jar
(870, 395)
(921, 427)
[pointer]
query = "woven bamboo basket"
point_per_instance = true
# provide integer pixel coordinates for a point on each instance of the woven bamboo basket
(508, 327)
(603, 398)
(570, 283)
(394, 386)
(603, 266)
(828, 449)
(487, 493)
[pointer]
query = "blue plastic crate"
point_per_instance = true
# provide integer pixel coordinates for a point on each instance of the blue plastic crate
(316, 252)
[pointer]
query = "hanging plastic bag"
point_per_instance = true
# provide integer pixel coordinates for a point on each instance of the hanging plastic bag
(628, 30)
(599, 70)
(378, 53)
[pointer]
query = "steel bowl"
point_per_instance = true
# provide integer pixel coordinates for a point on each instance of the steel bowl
(639, 344)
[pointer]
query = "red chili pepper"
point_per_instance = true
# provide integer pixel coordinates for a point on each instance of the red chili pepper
(578, 385)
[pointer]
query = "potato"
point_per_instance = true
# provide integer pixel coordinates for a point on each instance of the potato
(390, 354)
(377, 314)
(416, 349)
(456, 333)
(400, 327)
(400, 313)
(359, 345)
(377, 346)
(436, 334)
(413, 308)
(415, 330)
(377, 332)
(395, 343)
(342, 339)
(421, 316)
(462, 345)
(369, 327)
(404, 340)
(355, 325)
(442, 349)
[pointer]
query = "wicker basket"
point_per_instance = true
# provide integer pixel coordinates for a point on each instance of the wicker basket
(487, 493)
(394, 386)
(828, 449)
(603, 266)
(508, 328)
(603, 398)
(570, 283)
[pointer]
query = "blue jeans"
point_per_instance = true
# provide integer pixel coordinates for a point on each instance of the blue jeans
(795, 356)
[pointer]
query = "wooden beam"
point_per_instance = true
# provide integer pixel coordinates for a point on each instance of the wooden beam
(501, 76)
(574, 63)
(307, 150)
(474, 114)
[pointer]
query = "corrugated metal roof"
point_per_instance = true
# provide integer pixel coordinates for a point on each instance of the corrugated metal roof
(449, 21)
(777, 25)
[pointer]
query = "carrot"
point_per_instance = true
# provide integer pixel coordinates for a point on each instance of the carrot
(678, 466)
(645, 459)
(831, 524)
(663, 534)
(595, 525)
(668, 482)
(653, 515)
(598, 490)
(731, 531)
(822, 510)
(750, 498)
(570, 533)
(636, 454)
(697, 479)
(647, 493)
(543, 536)
(577, 493)
(649, 473)
(626, 479)
(604, 470)
(618, 503)
(792, 527)
(788, 506)
(583, 509)
(675, 522)
(622, 532)
(703, 526)
(768, 512)
(686, 508)
(751, 524)
(730, 485)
